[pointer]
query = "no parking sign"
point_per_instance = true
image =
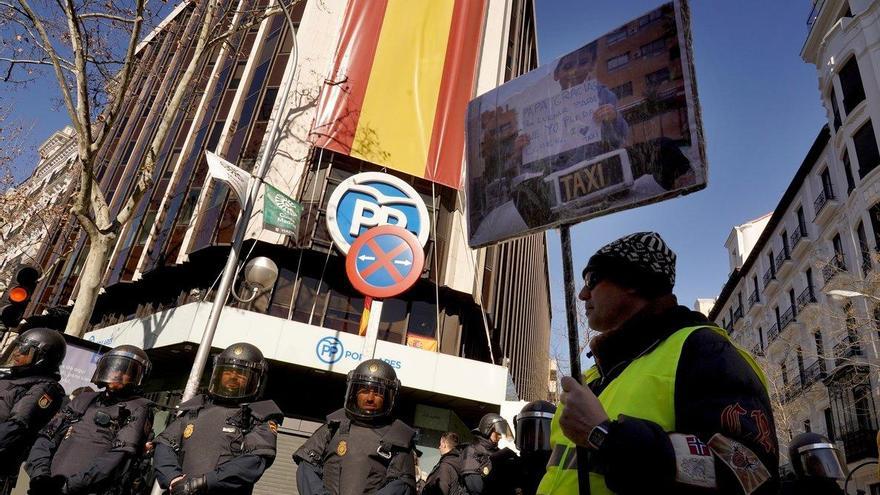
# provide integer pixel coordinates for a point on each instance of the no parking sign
(384, 261)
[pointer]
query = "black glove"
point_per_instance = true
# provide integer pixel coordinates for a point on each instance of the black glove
(47, 485)
(190, 486)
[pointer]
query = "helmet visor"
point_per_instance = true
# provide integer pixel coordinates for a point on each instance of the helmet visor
(119, 370)
(823, 463)
(369, 398)
(18, 354)
(533, 431)
(234, 381)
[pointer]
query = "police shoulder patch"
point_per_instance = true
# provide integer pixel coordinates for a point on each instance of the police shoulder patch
(748, 469)
(273, 426)
(188, 431)
(45, 401)
(485, 470)
(341, 448)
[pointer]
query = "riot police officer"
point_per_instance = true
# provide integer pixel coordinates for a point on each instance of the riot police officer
(93, 444)
(818, 466)
(222, 442)
(533, 441)
(485, 467)
(29, 395)
(362, 449)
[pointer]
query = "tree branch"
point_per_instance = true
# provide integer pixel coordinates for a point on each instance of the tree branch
(99, 15)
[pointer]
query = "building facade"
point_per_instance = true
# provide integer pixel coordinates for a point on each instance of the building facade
(803, 296)
(486, 311)
(35, 210)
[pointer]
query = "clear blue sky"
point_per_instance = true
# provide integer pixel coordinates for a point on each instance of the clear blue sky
(761, 112)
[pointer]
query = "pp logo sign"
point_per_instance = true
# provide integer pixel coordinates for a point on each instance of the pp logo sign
(371, 199)
(330, 350)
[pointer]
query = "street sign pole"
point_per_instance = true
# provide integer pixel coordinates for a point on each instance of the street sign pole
(372, 329)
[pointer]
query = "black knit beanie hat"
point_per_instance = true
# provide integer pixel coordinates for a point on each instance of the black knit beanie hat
(641, 261)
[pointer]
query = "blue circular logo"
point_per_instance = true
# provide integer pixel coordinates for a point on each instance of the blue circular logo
(329, 350)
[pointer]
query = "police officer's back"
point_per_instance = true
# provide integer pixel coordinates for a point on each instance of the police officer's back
(486, 468)
(222, 442)
(92, 444)
(361, 449)
(29, 395)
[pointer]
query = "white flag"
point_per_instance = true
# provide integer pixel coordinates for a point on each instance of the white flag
(237, 178)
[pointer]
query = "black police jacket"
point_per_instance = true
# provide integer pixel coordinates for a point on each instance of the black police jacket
(27, 404)
(486, 469)
(92, 441)
(716, 391)
(344, 457)
(231, 445)
(445, 478)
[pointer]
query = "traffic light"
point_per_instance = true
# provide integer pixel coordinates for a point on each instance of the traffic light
(18, 295)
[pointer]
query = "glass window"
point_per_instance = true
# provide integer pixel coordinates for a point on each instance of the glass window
(308, 300)
(423, 319)
(655, 47)
(851, 85)
(847, 169)
(267, 104)
(616, 36)
(832, 97)
(867, 154)
(623, 90)
(237, 73)
(392, 328)
(344, 312)
(283, 293)
(618, 61)
(658, 77)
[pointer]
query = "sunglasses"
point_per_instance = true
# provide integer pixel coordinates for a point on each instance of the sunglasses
(592, 279)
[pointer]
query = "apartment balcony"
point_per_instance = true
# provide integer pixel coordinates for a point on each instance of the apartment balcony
(806, 298)
(860, 444)
(783, 263)
(813, 373)
(754, 302)
(770, 281)
(757, 350)
(846, 350)
(789, 392)
(737, 314)
(772, 333)
(799, 241)
(787, 318)
(834, 266)
(825, 205)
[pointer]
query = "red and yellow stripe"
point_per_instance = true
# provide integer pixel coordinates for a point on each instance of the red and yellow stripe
(401, 80)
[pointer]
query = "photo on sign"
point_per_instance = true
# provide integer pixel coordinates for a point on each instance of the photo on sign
(612, 125)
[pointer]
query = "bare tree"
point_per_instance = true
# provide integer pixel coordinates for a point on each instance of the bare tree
(92, 49)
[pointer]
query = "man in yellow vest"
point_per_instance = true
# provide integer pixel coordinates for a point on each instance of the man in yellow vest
(672, 405)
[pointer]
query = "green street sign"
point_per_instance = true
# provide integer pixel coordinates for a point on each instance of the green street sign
(280, 213)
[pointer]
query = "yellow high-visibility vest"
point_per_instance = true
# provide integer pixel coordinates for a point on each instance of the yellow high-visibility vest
(645, 390)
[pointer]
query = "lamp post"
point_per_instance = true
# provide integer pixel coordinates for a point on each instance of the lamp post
(847, 294)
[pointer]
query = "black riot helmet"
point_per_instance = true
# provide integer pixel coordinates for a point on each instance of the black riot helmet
(371, 390)
(493, 423)
(38, 350)
(814, 457)
(533, 427)
(124, 367)
(239, 373)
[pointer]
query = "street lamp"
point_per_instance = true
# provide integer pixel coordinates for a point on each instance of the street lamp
(846, 294)
(260, 275)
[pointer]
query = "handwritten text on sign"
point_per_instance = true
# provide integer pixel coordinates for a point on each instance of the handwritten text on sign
(561, 122)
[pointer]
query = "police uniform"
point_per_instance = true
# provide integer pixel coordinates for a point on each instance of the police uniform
(486, 468)
(29, 396)
(220, 443)
(360, 451)
(533, 441)
(94, 444)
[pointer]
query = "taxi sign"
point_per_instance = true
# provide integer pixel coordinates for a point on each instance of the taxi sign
(384, 261)
(371, 199)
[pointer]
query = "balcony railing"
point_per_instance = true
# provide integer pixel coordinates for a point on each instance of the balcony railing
(787, 317)
(813, 373)
(822, 199)
(757, 351)
(806, 297)
(845, 349)
(753, 298)
(772, 333)
(834, 266)
(782, 258)
(737, 314)
(796, 236)
(769, 275)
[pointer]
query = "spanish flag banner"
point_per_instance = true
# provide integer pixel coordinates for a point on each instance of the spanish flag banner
(400, 83)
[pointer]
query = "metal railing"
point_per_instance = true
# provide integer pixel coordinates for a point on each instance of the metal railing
(813, 373)
(845, 349)
(822, 199)
(769, 275)
(737, 314)
(753, 298)
(834, 266)
(782, 258)
(757, 350)
(772, 333)
(806, 297)
(796, 236)
(787, 317)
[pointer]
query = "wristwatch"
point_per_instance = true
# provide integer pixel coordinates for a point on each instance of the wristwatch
(598, 435)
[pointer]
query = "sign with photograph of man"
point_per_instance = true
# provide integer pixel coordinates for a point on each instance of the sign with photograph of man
(612, 125)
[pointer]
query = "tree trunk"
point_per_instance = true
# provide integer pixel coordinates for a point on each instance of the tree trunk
(100, 247)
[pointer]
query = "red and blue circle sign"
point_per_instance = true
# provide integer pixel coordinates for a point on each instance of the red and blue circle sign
(384, 261)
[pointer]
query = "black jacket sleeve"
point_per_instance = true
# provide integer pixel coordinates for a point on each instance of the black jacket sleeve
(309, 479)
(716, 391)
(401, 471)
(236, 473)
(31, 412)
(166, 462)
